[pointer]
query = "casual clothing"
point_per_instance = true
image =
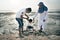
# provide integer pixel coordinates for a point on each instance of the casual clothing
(30, 26)
(18, 17)
(20, 21)
(21, 12)
(42, 15)
(42, 9)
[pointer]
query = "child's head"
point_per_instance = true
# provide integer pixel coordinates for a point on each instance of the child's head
(30, 20)
(28, 10)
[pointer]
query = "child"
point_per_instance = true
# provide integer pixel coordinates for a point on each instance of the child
(30, 26)
(19, 18)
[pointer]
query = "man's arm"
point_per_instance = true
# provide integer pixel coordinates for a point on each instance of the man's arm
(27, 16)
(22, 16)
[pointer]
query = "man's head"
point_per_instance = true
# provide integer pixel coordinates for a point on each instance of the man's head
(28, 10)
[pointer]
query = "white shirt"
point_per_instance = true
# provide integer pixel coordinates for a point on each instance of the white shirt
(21, 12)
(30, 24)
(41, 16)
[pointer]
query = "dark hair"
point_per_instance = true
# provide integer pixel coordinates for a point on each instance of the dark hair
(41, 3)
(30, 20)
(29, 9)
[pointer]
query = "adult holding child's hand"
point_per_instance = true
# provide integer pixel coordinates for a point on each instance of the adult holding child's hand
(42, 15)
(19, 18)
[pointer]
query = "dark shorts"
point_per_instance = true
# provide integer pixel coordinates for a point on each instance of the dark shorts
(20, 22)
(29, 27)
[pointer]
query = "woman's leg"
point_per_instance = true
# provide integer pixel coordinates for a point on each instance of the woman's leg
(40, 22)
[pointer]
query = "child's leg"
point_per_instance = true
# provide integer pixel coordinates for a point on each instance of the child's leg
(27, 28)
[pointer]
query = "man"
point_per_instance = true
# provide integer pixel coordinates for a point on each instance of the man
(19, 18)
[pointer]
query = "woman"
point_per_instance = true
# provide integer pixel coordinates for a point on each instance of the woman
(42, 15)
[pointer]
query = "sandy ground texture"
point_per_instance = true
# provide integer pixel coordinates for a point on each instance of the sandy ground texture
(8, 25)
(29, 37)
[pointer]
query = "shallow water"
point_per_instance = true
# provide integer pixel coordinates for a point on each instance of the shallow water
(8, 22)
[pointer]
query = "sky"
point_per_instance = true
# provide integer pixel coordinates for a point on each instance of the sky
(15, 5)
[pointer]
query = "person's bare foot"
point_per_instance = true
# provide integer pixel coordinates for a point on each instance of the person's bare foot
(40, 30)
(21, 36)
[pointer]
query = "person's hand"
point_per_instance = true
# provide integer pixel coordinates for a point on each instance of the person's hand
(27, 18)
(33, 20)
(44, 20)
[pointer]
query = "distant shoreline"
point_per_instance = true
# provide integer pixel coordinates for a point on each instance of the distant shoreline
(33, 12)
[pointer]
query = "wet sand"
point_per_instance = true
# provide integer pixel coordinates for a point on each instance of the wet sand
(8, 25)
(31, 37)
